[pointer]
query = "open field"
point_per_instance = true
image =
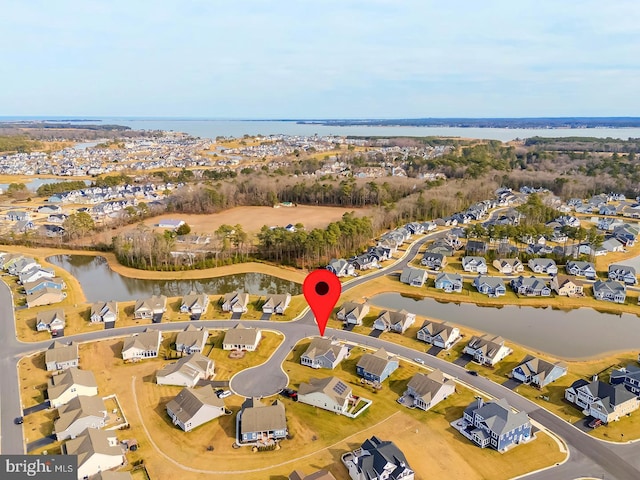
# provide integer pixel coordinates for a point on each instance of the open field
(252, 219)
(318, 438)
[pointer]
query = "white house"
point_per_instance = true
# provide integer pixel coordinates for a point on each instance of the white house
(97, 451)
(193, 407)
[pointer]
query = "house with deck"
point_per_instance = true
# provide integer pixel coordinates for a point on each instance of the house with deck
(376, 367)
(438, 334)
(537, 372)
(328, 393)
(151, 307)
(80, 413)
(425, 390)
(628, 376)
(324, 353)
(341, 268)
(610, 291)
(45, 296)
(187, 371)
(235, 302)
(494, 425)
(261, 424)
(449, 282)
(508, 266)
(33, 287)
(487, 349)
(352, 313)
(193, 407)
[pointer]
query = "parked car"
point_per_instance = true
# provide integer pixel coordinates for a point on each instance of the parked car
(595, 423)
(225, 394)
(472, 372)
(18, 420)
(419, 360)
(289, 393)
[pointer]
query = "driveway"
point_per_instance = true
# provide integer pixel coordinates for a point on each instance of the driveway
(36, 408)
(434, 351)
(463, 361)
(195, 316)
(213, 383)
(157, 318)
(237, 315)
(375, 333)
(266, 316)
(42, 442)
(511, 384)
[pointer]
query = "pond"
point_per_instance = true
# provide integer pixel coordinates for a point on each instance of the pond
(33, 184)
(577, 333)
(100, 283)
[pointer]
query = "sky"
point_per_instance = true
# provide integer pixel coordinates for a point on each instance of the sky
(276, 59)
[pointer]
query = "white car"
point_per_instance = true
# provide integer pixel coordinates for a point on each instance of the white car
(225, 394)
(419, 360)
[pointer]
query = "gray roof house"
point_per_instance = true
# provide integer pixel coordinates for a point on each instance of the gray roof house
(105, 312)
(241, 338)
(142, 345)
(324, 353)
(601, 400)
(398, 322)
(449, 282)
(187, 371)
(438, 334)
(377, 460)
(80, 413)
(537, 372)
(491, 286)
(97, 450)
(194, 303)
(60, 356)
(610, 291)
(530, 286)
(51, 320)
(235, 302)
(276, 303)
(340, 267)
(581, 269)
(427, 390)
(494, 424)
(193, 407)
(376, 367)
(352, 313)
(628, 376)
(191, 339)
(623, 273)
(487, 349)
(261, 424)
(434, 261)
(69, 384)
(328, 393)
(151, 307)
(474, 264)
(413, 276)
(543, 265)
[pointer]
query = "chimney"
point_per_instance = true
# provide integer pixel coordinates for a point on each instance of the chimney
(479, 402)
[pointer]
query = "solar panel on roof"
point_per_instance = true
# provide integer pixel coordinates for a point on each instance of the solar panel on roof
(339, 388)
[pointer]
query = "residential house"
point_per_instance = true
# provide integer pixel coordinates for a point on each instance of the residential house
(328, 393)
(476, 247)
(438, 334)
(581, 269)
(377, 460)
(449, 282)
(508, 266)
(434, 261)
(61, 356)
(142, 345)
(194, 303)
(543, 265)
(193, 407)
(628, 376)
(340, 267)
(365, 261)
(96, 450)
(52, 321)
(241, 338)
(105, 312)
(324, 353)
(191, 340)
(623, 273)
(9, 259)
(318, 475)
(170, 223)
(23, 265)
(474, 264)
(398, 322)
(601, 400)
(34, 274)
(187, 371)
(494, 424)
(612, 245)
(413, 276)
(567, 286)
(235, 302)
(17, 216)
(80, 413)
(530, 286)
(352, 313)
(32, 287)
(380, 253)
(376, 367)
(45, 296)
(69, 384)
(151, 307)
(276, 303)
(626, 234)
(491, 286)
(260, 423)
(610, 291)
(440, 247)
(487, 349)
(427, 390)
(537, 372)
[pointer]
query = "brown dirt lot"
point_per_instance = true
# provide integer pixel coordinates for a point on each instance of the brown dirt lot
(251, 218)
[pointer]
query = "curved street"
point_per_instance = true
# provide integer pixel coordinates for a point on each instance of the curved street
(589, 457)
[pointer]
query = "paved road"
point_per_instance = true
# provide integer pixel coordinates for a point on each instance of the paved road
(588, 456)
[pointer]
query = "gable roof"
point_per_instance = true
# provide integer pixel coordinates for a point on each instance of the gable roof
(332, 387)
(90, 442)
(320, 346)
(190, 366)
(147, 340)
(58, 384)
(535, 366)
(498, 415)
(241, 335)
(381, 455)
(189, 401)
(428, 385)
(59, 352)
(192, 336)
(48, 316)
(258, 417)
(375, 363)
(79, 407)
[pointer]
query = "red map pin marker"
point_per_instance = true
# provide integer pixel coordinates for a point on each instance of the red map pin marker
(322, 290)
